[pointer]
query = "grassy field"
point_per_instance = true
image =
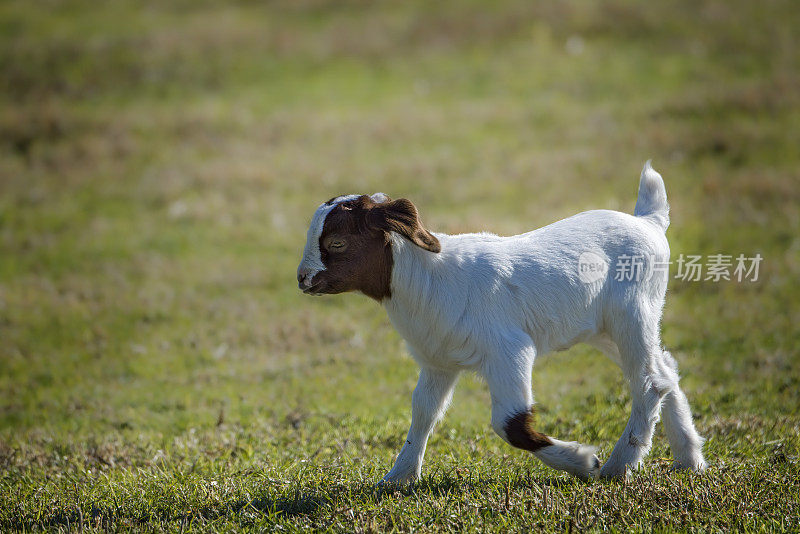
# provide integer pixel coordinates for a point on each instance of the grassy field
(159, 162)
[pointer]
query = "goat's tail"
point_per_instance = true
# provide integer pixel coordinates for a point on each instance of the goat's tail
(652, 202)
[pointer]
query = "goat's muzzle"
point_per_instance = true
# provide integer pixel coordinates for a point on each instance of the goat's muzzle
(304, 278)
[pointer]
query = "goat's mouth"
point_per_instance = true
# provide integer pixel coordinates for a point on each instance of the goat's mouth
(324, 287)
(315, 289)
(312, 290)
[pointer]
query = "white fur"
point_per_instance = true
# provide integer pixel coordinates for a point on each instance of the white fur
(571, 457)
(493, 304)
(652, 201)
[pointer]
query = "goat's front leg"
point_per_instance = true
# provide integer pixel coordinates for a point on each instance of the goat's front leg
(428, 404)
(508, 373)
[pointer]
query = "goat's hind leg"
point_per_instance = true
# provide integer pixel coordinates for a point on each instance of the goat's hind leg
(640, 357)
(685, 442)
(513, 414)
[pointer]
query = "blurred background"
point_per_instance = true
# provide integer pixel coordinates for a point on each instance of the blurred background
(160, 161)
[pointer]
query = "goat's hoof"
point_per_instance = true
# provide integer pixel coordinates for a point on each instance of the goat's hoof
(392, 482)
(385, 485)
(594, 470)
(614, 472)
(590, 470)
(390, 486)
(696, 466)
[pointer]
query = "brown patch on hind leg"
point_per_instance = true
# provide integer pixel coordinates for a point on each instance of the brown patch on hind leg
(521, 434)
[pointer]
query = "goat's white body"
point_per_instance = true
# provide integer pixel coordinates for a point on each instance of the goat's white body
(492, 304)
(454, 306)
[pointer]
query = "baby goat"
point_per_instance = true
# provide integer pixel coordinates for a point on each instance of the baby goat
(494, 304)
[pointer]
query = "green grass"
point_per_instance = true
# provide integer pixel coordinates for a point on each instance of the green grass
(159, 162)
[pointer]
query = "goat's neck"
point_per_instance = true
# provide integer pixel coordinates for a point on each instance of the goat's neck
(428, 298)
(420, 279)
(414, 271)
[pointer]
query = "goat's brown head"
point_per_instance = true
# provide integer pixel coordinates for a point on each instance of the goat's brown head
(348, 247)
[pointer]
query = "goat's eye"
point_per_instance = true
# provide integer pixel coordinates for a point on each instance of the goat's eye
(337, 244)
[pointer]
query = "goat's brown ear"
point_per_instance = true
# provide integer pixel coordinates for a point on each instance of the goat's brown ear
(401, 216)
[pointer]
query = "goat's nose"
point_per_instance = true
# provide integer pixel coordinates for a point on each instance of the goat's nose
(302, 276)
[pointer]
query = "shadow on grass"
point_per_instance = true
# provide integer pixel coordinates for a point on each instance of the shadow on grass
(270, 509)
(308, 503)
